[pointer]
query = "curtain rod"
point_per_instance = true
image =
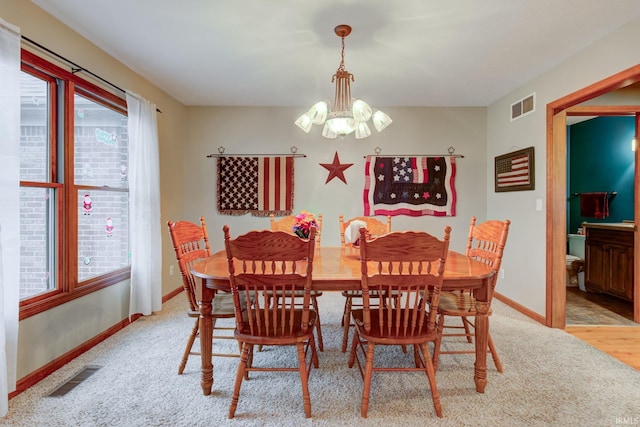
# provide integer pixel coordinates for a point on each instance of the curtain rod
(75, 67)
(293, 153)
(415, 155)
(378, 153)
(256, 155)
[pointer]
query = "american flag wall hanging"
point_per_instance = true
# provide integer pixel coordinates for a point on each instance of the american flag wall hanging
(410, 185)
(256, 185)
(515, 171)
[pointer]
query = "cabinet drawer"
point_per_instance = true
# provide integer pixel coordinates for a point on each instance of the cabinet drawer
(624, 238)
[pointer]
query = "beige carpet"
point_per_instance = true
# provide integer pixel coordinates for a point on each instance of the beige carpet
(550, 379)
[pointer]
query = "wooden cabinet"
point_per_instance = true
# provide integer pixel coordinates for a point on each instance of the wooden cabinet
(609, 261)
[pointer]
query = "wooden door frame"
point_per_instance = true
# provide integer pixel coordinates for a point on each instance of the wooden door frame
(556, 186)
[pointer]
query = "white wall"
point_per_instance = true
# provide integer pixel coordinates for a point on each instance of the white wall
(524, 261)
(271, 130)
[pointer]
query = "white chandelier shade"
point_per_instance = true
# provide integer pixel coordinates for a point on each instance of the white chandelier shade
(346, 115)
(362, 130)
(381, 121)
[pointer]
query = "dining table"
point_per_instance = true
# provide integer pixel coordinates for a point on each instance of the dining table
(339, 269)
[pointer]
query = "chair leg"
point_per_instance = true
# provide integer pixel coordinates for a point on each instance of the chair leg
(494, 354)
(416, 356)
(346, 322)
(437, 342)
(354, 347)
(242, 366)
(467, 329)
(344, 311)
(187, 350)
(249, 362)
(368, 373)
(304, 378)
(431, 376)
(314, 354)
(467, 325)
(314, 300)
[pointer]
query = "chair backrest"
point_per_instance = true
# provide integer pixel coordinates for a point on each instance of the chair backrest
(374, 226)
(191, 243)
(486, 242)
(410, 264)
(269, 262)
(286, 224)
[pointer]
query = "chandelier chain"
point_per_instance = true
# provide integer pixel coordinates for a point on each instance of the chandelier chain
(341, 67)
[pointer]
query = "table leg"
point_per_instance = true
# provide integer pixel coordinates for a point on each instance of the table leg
(206, 332)
(482, 338)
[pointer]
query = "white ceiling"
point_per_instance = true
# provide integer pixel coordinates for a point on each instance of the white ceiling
(284, 52)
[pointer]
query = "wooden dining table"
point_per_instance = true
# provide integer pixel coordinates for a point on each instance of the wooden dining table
(339, 269)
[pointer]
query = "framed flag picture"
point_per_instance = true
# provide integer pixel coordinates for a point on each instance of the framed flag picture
(515, 171)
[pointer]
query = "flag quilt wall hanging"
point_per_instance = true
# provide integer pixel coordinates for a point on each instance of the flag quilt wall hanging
(256, 185)
(412, 186)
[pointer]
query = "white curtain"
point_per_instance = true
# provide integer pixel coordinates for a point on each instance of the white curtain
(9, 208)
(144, 207)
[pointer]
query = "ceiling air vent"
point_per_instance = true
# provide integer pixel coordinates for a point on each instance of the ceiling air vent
(523, 107)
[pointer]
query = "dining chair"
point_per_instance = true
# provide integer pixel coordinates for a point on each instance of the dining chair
(486, 243)
(411, 263)
(272, 261)
(349, 237)
(286, 224)
(191, 244)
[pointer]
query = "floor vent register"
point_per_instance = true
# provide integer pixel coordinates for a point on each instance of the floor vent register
(72, 383)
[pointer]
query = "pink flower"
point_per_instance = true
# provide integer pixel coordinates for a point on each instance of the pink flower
(303, 223)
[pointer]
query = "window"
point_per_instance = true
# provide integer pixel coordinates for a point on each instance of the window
(100, 176)
(74, 198)
(38, 192)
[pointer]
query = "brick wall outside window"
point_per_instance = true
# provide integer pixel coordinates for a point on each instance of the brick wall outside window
(97, 164)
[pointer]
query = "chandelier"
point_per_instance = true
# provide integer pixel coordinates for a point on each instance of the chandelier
(346, 115)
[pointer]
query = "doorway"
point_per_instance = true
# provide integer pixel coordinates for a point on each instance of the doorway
(599, 158)
(557, 113)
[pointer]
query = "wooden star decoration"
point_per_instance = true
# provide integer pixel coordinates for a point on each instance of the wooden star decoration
(336, 169)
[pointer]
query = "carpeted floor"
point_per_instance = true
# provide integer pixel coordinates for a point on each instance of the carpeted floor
(550, 379)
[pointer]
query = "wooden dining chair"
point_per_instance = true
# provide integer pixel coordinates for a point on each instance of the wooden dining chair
(486, 243)
(272, 261)
(411, 263)
(286, 224)
(353, 298)
(191, 244)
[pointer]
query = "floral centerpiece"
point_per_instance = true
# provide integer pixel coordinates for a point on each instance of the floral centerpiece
(303, 223)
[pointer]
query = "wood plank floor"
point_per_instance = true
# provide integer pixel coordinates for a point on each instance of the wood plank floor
(606, 323)
(587, 308)
(621, 342)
